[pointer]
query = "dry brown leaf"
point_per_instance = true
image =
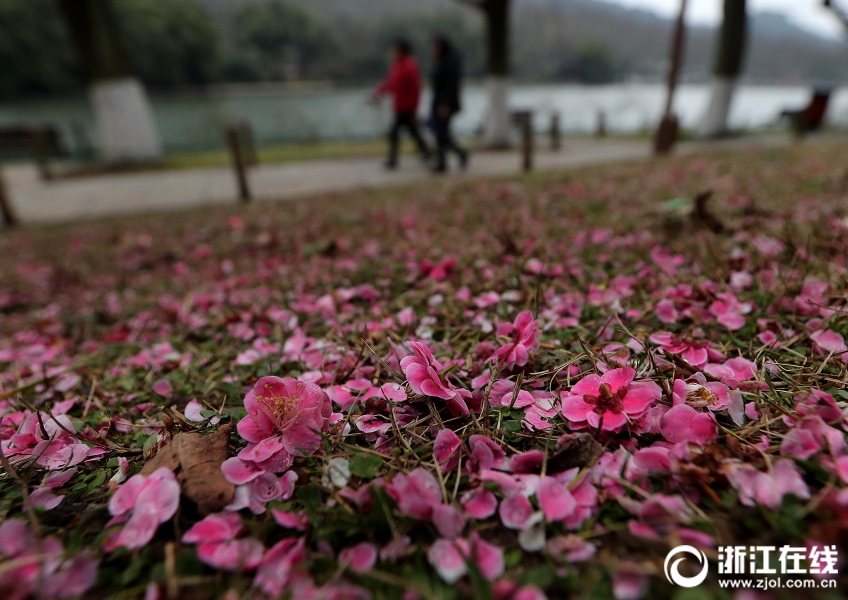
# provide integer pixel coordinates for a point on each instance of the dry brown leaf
(196, 459)
(575, 450)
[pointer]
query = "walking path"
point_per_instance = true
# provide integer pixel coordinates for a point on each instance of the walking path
(37, 201)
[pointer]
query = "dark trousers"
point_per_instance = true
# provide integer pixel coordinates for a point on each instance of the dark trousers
(445, 140)
(409, 120)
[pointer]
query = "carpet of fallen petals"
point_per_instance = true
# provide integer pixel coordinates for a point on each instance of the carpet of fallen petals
(494, 389)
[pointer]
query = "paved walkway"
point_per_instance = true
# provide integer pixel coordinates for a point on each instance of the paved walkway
(37, 201)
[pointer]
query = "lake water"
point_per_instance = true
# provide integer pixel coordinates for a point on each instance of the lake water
(194, 121)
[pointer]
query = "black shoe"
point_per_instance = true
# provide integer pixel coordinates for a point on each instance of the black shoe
(390, 165)
(439, 169)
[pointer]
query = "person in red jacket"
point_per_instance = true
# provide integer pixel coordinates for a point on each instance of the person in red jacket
(403, 84)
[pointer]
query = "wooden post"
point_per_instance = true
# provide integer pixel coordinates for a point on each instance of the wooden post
(41, 150)
(5, 207)
(248, 140)
(556, 138)
(601, 130)
(666, 135)
(234, 143)
(527, 140)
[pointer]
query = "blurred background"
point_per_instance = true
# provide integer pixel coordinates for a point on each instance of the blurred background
(302, 70)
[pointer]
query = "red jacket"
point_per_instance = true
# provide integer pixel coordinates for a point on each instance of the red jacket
(404, 84)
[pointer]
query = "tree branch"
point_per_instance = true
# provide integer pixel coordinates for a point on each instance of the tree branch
(840, 14)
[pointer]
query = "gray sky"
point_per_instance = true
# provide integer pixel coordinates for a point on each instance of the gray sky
(806, 13)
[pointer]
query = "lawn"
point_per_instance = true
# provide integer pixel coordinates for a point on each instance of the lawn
(505, 388)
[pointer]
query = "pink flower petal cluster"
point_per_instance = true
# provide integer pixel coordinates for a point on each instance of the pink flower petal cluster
(767, 487)
(285, 419)
(142, 503)
(256, 489)
(359, 390)
(449, 558)
(49, 440)
(361, 558)
(34, 569)
(218, 547)
(729, 311)
(520, 339)
(424, 374)
(419, 495)
(682, 424)
(283, 568)
(43, 495)
(609, 401)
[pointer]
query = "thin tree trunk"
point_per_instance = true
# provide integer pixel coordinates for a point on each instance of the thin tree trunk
(666, 135)
(677, 42)
(730, 52)
(126, 129)
(497, 125)
(7, 215)
(497, 36)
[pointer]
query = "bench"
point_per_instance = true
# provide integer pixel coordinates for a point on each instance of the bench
(811, 117)
(22, 141)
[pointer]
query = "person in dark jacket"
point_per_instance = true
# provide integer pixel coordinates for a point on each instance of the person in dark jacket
(447, 76)
(403, 84)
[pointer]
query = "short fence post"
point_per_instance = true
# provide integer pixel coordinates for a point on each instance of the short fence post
(601, 130)
(527, 140)
(234, 142)
(251, 159)
(556, 138)
(5, 207)
(41, 149)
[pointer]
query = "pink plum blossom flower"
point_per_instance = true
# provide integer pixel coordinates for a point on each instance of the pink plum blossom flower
(520, 340)
(142, 503)
(426, 377)
(285, 418)
(609, 401)
(695, 352)
(258, 491)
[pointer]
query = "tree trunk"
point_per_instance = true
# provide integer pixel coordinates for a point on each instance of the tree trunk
(126, 129)
(667, 132)
(728, 64)
(497, 126)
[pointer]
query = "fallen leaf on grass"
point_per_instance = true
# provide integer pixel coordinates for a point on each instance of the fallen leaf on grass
(574, 450)
(197, 458)
(702, 215)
